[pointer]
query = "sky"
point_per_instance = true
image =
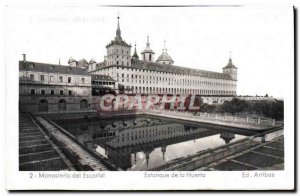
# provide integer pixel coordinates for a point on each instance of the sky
(260, 38)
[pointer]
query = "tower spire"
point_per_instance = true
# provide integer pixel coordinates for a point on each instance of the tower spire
(165, 49)
(148, 43)
(135, 55)
(118, 33)
(230, 60)
(147, 53)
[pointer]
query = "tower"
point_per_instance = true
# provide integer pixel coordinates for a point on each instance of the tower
(118, 51)
(92, 65)
(231, 69)
(72, 62)
(135, 56)
(165, 58)
(148, 54)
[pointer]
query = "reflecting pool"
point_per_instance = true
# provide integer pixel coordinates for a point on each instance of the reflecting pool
(142, 143)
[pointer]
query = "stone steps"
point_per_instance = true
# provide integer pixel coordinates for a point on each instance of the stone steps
(35, 151)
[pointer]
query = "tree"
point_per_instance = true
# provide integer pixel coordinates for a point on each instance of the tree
(234, 106)
(207, 108)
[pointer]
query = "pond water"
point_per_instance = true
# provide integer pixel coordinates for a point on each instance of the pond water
(142, 143)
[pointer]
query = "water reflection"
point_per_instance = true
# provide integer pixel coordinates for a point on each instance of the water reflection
(143, 143)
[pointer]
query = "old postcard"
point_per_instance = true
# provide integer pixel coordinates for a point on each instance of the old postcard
(150, 97)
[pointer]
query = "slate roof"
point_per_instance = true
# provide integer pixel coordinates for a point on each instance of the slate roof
(165, 57)
(102, 77)
(71, 60)
(230, 64)
(51, 68)
(92, 61)
(135, 55)
(147, 50)
(177, 69)
(118, 41)
(151, 66)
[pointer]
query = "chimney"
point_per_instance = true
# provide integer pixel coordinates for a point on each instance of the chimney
(24, 58)
(105, 58)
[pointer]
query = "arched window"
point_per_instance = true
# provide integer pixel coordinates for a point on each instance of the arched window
(83, 104)
(43, 105)
(62, 104)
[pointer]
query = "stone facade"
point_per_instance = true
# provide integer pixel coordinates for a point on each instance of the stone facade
(162, 77)
(118, 51)
(48, 87)
(57, 88)
(139, 79)
(102, 84)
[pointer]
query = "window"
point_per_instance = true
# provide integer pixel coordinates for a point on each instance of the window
(51, 78)
(31, 76)
(43, 92)
(69, 79)
(60, 79)
(82, 80)
(32, 92)
(52, 92)
(42, 78)
(70, 92)
(61, 92)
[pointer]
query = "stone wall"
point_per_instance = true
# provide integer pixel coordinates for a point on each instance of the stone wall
(40, 103)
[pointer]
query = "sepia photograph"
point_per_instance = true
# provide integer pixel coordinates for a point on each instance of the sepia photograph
(193, 90)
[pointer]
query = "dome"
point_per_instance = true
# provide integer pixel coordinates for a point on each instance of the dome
(165, 58)
(92, 61)
(148, 49)
(71, 60)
